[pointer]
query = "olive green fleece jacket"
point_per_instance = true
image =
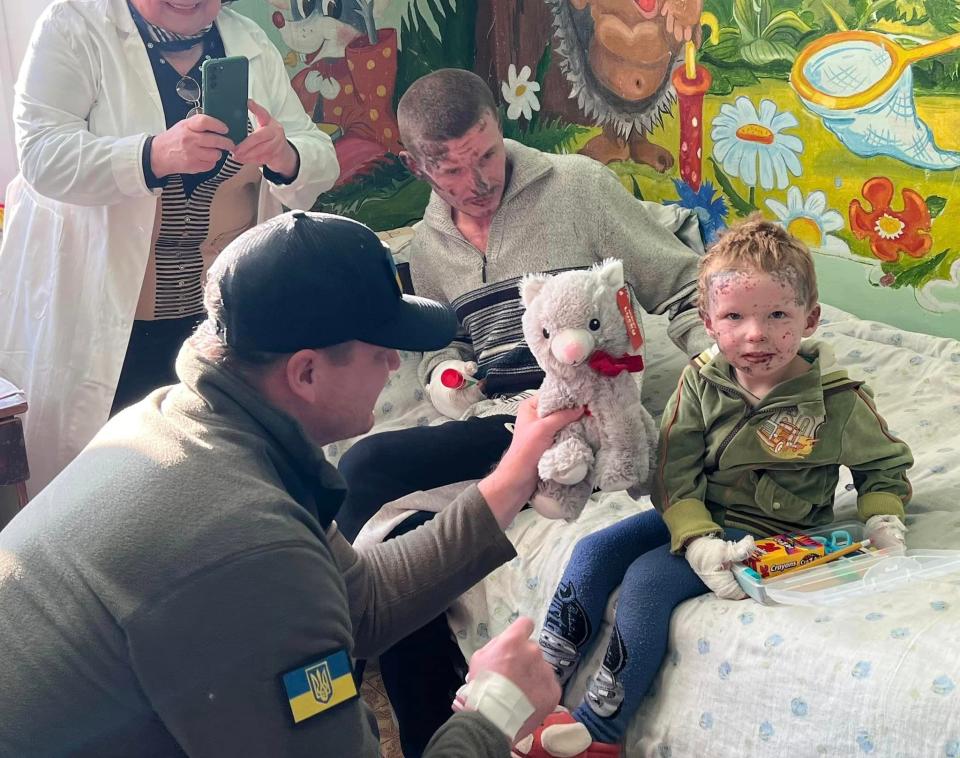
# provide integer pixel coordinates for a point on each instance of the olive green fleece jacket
(773, 467)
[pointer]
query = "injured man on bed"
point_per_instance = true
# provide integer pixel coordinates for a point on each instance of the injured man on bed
(498, 210)
(181, 587)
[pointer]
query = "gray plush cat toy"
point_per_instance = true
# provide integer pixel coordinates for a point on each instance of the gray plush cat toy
(581, 328)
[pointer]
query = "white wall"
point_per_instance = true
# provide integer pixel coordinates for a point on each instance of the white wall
(16, 22)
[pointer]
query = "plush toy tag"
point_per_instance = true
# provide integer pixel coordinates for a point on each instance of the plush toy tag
(629, 318)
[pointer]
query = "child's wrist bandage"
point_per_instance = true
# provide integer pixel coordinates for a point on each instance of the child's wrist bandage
(886, 532)
(711, 557)
(498, 699)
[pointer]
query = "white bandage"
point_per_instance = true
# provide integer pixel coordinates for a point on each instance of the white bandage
(711, 558)
(450, 401)
(886, 532)
(498, 699)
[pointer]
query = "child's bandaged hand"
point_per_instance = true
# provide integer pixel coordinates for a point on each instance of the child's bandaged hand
(711, 557)
(451, 401)
(886, 532)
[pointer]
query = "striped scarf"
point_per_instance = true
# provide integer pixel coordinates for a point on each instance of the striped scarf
(165, 41)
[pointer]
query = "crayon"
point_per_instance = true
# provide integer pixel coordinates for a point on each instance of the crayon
(853, 547)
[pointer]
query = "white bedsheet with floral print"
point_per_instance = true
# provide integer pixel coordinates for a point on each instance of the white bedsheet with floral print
(879, 676)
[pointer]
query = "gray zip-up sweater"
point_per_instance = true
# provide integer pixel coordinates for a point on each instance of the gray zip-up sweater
(558, 212)
(152, 596)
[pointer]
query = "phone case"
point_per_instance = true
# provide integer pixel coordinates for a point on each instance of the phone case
(225, 93)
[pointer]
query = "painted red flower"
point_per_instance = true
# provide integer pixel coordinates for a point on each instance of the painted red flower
(891, 232)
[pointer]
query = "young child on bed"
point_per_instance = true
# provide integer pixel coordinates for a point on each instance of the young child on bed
(750, 445)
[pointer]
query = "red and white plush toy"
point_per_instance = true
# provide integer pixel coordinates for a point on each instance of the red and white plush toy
(560, 736)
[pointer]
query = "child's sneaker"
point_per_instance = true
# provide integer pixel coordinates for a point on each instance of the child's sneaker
(562, 736)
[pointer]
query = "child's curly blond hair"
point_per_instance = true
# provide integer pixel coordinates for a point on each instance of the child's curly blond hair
(760, 245)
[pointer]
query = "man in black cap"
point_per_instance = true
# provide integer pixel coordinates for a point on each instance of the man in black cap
(181, 588)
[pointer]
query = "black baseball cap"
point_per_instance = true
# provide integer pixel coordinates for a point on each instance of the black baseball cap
(309, 280)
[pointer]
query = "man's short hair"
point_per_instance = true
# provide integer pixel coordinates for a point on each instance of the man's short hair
(760, 245)
(209, 343)
(441, 106)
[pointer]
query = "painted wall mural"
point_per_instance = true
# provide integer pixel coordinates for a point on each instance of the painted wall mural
(835, 118)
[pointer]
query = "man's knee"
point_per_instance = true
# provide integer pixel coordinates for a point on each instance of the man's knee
(366, 456)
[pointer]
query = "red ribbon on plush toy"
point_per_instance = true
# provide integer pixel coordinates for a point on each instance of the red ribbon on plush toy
(606, 364)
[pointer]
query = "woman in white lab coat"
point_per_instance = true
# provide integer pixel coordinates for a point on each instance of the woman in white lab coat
(124, 198)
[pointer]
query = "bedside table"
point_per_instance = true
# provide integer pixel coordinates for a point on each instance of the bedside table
(13, 452)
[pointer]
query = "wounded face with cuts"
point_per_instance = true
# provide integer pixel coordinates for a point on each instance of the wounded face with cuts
(758, 320)
(468, 172)
(757, 295)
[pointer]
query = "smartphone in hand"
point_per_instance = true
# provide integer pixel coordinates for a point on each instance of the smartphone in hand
(225, 82)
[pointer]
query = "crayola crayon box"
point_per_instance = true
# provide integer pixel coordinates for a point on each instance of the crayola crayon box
(782, 552)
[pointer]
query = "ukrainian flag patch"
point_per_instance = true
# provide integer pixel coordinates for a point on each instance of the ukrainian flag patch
(319, 686)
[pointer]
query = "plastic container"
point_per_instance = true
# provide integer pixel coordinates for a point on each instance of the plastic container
(848, 577)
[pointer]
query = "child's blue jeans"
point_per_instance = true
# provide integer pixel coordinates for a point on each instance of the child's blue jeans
(634, 553)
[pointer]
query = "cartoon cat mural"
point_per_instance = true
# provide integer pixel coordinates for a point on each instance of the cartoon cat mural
(347, 76)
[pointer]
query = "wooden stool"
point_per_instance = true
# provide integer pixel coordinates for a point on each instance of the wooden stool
(13, 452)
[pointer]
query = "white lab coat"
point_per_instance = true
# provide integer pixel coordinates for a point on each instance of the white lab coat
(80, 216)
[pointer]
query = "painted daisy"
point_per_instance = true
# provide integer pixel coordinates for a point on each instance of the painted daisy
(810, 221)
(742, 137)
(520, 93)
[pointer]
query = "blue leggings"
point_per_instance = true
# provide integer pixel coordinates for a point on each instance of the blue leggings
(634, 553)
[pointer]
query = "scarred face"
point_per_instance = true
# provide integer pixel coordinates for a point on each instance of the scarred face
(179, 16)
(758, 321)
(468, 173)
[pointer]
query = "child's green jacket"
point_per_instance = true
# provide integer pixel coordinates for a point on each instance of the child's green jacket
(774, 467)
